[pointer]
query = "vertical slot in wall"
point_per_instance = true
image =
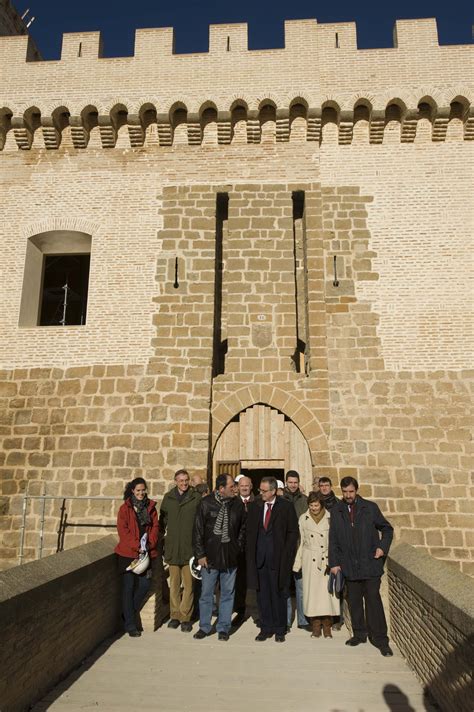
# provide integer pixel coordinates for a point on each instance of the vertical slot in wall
(299, 357)
(220, 336)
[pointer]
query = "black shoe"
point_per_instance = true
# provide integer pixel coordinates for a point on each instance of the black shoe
(173, 623)
(386, 651)
(305, 627)
(186, 627)
(279, 638)
(238, 620)
(355, 641)
(223, 636)
(134, 633)
(200, 634)
(337, 626)
(263, 636)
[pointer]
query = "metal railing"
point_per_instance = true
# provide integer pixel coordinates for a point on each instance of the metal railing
(63, 520)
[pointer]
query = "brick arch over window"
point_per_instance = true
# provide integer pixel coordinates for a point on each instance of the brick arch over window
(274, 397)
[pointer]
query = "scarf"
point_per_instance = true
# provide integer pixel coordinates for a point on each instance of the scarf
(221, 527)
(317, 517)
(330, 500)
(141, 507)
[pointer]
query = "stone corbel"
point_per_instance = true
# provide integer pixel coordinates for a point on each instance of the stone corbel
(313, 130)
(224, 127)
(376, 127)
(165, 133)
(346, 127)
(23, 133)
(79, 133)
(107, 130)
(51, 132)
(440, 124)
(136, 132)
(282, 125)
(254, 131)
(469, 125)
(409, 123)
(194, 130)
(5, 125)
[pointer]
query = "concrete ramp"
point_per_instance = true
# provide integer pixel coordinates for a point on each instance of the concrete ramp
(170, 671)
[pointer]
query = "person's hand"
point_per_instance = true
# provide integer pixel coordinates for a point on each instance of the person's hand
(298, 574)
(379, 553)
(203, 562)
(335, 570)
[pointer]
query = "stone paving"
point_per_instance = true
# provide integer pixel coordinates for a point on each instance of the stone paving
(170, 671)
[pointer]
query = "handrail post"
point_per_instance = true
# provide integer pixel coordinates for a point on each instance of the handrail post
(23, 525)
(43, 507)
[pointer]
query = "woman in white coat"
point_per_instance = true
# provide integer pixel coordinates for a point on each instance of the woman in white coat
(312, 559)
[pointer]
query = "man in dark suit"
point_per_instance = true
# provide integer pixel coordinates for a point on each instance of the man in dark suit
(244, 489)
(272, 538)
(359, 541)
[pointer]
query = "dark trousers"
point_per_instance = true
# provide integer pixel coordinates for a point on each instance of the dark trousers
(271, 602)
(134, 591)
(373, 622)
(240, 586)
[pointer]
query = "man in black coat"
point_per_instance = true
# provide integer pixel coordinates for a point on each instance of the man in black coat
(325, 487)
(359, 541)
(219, 536)
(244, 489)
(272, 538)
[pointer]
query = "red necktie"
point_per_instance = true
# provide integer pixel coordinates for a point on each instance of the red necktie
(268, 514)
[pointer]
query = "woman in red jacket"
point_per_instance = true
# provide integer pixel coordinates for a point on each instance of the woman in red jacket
(136, 516)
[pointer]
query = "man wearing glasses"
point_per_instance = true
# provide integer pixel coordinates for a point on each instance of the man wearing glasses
(272, 538)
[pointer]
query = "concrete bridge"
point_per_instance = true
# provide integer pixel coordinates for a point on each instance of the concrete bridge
(62, 649)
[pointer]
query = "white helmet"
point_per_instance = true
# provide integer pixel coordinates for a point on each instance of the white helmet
(280, 484)
(195, 568)
(140, 565)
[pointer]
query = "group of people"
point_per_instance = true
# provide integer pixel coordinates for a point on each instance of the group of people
(266, 542)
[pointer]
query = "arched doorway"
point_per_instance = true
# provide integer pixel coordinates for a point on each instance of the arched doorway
(260, 441)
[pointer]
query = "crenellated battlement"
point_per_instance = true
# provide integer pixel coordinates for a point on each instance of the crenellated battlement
(231, 39)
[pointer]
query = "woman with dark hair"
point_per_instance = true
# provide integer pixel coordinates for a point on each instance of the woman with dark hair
(137, 516)
(312, 559)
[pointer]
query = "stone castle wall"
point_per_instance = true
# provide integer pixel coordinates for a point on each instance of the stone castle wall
(383, 393)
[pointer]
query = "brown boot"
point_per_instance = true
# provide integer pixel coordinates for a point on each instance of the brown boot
(315, 627)
(327, 623)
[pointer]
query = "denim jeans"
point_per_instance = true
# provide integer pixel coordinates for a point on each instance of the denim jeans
(226, 580)
(300, 616)
(134, 591)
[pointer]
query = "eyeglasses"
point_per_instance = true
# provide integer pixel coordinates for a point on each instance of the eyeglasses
(264, 490)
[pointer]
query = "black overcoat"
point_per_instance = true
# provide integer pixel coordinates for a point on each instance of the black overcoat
(284, 529)
(353, 547)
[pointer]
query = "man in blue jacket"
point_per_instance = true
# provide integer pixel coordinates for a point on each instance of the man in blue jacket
(359, 541)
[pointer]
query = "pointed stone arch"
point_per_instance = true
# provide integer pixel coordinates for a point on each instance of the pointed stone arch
(278, 399)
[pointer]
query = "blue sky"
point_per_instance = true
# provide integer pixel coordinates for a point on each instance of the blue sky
(118, 20)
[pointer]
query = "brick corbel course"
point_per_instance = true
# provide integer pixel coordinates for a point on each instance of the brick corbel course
(432, 623)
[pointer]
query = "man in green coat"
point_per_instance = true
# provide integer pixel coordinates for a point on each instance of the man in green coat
(177, 514)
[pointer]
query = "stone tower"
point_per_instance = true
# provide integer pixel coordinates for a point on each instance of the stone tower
(237, 260)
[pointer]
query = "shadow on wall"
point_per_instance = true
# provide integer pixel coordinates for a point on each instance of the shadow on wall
(451, 677)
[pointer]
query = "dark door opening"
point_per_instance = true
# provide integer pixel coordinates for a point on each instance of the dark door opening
(256, 476)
